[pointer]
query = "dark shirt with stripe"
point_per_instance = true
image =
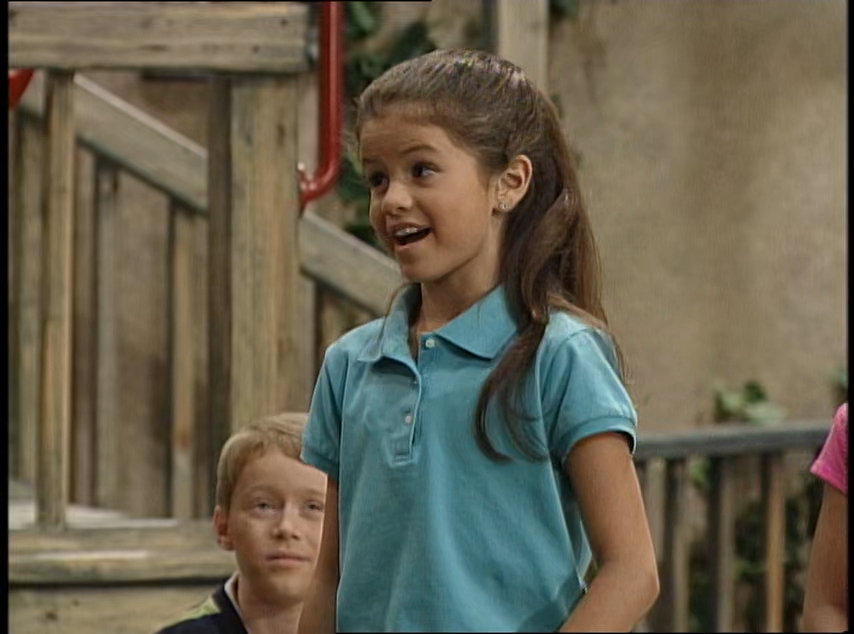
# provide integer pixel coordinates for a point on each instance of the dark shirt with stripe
(216, 615)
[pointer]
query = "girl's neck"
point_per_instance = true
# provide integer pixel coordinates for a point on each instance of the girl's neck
(441, 304)
(262, 617)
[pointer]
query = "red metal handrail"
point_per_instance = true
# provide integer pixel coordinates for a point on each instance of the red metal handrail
(18, 81)
(331, 99)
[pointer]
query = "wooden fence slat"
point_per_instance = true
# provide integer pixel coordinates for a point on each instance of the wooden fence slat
(219, 36)
(256, 307)
(774, 500)
(675, 582)
(721, 523)
(84, 337)
(219, 279)
(106, 383)
(28, 152)
(181, 320)
(174, 164)
(57, 263)
(13, 253)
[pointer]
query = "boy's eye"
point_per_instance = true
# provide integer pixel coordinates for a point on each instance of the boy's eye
(316, 507)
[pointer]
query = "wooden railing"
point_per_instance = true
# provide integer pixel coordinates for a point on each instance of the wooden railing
(723, 446)
(122, 138)
(260, 316)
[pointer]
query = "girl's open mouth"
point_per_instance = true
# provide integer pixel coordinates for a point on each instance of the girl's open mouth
(410, 235)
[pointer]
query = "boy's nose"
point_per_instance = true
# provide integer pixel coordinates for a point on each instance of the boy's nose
(286, 525)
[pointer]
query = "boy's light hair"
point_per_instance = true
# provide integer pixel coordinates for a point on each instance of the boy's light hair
(280, 431)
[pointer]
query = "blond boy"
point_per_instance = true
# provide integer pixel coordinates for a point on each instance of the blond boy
(269, 512)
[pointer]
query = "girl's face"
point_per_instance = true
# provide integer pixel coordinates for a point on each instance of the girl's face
(432, 204)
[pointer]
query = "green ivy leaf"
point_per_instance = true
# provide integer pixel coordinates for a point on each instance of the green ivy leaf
(564, 8)
(764, 413)
(754, 392)
(362, 19)
(413, 41)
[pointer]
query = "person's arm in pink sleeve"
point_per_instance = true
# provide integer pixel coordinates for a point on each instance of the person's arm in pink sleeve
(826, 592)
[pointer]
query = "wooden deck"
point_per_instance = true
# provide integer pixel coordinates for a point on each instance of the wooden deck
(106, 572)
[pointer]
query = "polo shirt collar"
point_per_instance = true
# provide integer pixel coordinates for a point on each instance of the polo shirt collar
(482, 330)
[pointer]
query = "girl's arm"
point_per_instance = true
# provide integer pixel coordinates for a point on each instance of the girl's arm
(826, 594)
(318, 613)
(605, 483)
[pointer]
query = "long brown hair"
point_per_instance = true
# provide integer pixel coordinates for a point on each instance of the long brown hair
(548, 255)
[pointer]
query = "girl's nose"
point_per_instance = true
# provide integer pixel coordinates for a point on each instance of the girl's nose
(396, 198)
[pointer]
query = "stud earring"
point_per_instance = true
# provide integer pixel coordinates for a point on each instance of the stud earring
(502, 206)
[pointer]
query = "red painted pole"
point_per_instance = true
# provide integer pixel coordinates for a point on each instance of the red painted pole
(331, 99)
(18, 81)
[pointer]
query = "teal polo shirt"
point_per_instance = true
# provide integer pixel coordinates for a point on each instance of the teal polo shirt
(435, 536)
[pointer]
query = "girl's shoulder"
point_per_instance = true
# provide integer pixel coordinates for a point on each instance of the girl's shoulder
(569, 337)
(565, 328)
(357, 341)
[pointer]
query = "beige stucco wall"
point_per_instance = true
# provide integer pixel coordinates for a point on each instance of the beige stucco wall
(712, 144)
(712, 137)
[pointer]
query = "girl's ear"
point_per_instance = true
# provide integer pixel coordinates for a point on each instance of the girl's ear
(513, 182)
(220, 525)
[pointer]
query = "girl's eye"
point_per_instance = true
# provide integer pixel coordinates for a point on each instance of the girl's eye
(262, 505)
(376, 180)
(420, 170)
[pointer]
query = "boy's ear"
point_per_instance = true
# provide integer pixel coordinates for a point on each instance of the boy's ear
(514, 181)
(220, 526)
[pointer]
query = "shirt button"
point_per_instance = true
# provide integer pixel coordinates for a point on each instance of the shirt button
(408, 419)
(429, 343)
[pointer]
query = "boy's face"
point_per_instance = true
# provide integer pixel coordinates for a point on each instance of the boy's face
(274, 526)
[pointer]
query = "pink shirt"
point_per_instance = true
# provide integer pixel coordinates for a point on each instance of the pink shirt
(832, 462)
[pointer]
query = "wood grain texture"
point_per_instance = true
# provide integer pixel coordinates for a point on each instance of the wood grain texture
(84, 329)
(28, 246)
(177, 166)
(721, 523)
(57, 267)
(107, 366)
(182, 320)
(774, 500)
(267, 316)
(124, 609)
(675, 582)
(257, 37)
(522, 36)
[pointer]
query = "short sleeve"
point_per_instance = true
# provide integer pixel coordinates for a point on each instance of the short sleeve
(831, 465)
(321, 441)
(583, 393)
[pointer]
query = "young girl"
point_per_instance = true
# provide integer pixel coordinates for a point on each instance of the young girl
(478, 435)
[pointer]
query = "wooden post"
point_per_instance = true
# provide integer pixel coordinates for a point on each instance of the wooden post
(181, 322)
(674, 592)
(26, 321)
(13, 254)
(522, 36)
(83, 454)
(722, 543)
(58, 183)
(257, 314)
(774, 499)
(106, 383)
(219, 271)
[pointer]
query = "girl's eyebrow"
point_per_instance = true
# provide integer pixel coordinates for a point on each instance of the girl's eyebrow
(418, 147)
